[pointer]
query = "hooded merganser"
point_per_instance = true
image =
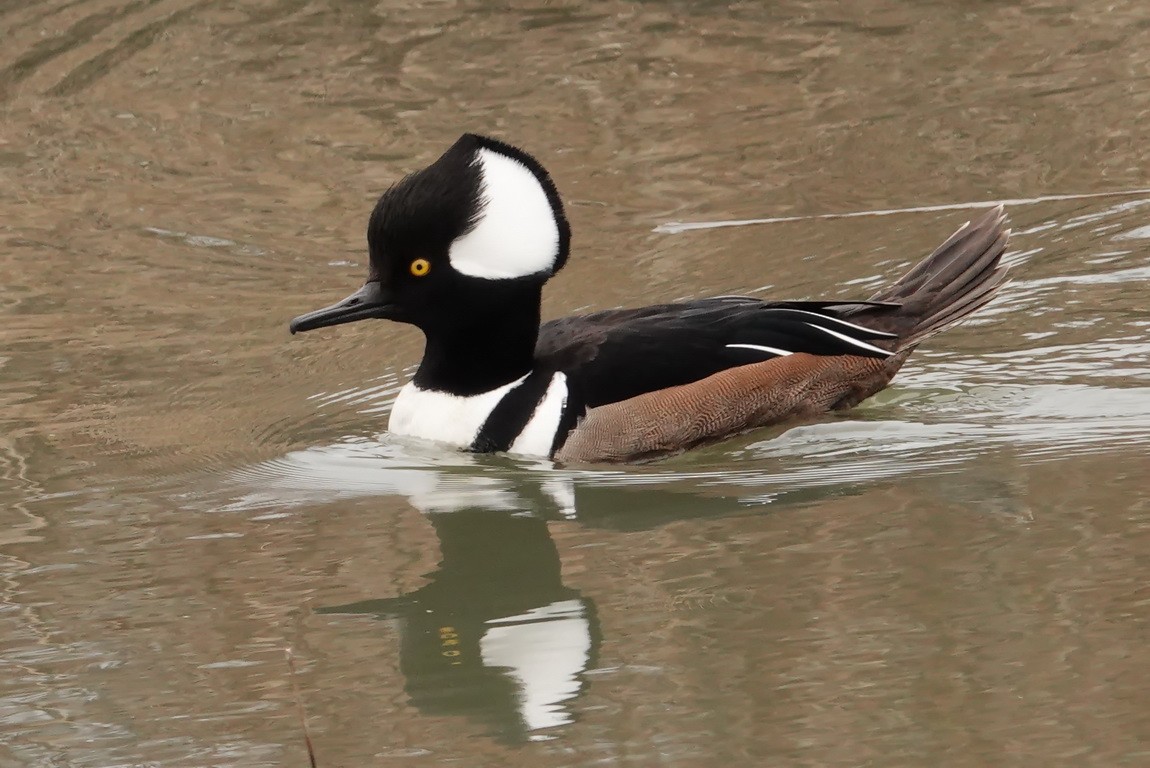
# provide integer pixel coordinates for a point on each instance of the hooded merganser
(461, 250)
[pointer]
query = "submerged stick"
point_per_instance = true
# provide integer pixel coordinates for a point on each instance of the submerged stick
(299, 706)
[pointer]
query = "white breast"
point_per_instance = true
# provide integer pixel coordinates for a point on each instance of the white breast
(456, 420)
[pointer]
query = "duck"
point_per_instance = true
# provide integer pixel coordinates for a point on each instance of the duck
(462, 250)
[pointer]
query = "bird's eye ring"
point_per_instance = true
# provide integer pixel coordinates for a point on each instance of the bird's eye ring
(420, 267)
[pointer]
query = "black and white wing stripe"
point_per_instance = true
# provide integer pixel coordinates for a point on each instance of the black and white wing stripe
(617, 354)
(800, 330)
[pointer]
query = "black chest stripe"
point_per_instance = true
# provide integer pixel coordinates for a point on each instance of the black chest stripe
(573, 411)
(511, 414)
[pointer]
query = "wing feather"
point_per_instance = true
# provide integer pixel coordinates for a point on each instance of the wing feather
(620, 353)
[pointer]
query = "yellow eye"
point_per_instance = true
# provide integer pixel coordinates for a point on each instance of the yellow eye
(420, 267)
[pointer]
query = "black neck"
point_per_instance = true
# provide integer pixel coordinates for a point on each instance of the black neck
(482, 349)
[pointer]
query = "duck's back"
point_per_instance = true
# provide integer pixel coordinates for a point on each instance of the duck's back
(622, 353)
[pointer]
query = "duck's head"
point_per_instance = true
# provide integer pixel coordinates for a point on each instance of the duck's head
(477, 231)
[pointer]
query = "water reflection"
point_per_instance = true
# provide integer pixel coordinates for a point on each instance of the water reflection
(494, 635)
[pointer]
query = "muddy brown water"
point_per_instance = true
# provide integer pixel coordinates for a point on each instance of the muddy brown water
(953, 574)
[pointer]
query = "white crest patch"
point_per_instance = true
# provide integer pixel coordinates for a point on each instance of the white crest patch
(442, 417)
(516, 233)
(544, 650)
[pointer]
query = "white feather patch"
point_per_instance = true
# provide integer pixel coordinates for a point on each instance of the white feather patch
(845, 324)
(760, 348)
(855, 342)
(442, 417)
(516, 233)
(543, 650)
(539, 434)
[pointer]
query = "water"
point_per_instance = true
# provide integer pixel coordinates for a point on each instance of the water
(953, 573)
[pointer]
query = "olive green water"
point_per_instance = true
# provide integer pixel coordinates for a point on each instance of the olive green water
(954, 574)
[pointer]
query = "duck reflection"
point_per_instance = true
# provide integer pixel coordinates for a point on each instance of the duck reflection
(495, 635)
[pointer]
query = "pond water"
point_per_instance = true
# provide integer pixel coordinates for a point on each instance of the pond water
(953, 573)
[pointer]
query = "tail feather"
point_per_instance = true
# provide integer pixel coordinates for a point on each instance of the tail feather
(959, 277)
(961, 309)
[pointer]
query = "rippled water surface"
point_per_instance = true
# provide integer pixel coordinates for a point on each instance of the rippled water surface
(954, 573)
